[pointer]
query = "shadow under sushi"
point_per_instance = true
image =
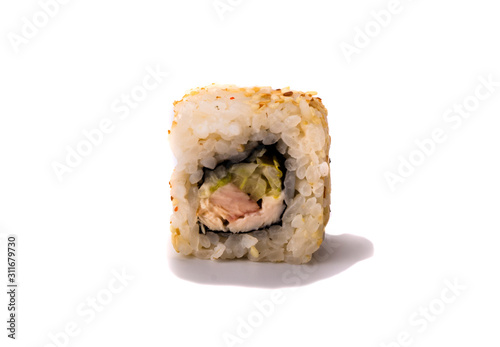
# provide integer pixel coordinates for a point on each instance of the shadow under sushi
(336, 254)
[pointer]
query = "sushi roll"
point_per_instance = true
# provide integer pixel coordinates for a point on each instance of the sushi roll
(252, 178)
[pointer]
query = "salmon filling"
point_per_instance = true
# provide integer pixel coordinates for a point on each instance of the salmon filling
(242, 196)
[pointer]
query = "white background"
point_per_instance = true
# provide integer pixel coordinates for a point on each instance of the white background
(111, 213)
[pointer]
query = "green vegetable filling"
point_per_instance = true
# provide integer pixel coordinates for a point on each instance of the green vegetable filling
(220, 183)
(259, 179)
